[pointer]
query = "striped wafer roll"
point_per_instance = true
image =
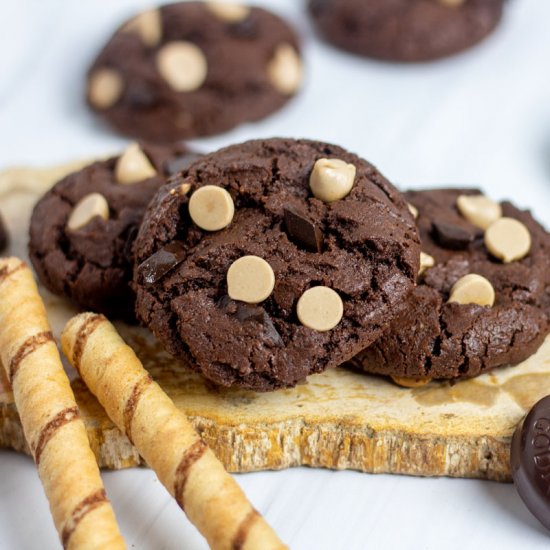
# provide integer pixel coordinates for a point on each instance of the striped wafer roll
(164, 437)
(51, 422)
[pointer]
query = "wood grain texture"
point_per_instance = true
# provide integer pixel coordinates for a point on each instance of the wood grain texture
(339, 419)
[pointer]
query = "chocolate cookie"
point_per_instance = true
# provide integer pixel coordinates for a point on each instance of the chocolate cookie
(82, 230)
(483, 298)
(4, 238)
(272, 260)
(194, 69)
(405, 30)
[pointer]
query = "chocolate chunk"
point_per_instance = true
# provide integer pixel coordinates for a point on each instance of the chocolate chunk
(161, 263)
(3, 235)
(250, 312)
(452, 236)
(531, 461)
(303, 231)
(247, 28)
(179, 164)
(142, 94)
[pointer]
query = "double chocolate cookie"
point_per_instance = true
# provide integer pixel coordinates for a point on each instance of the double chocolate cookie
(83, 229)
(483, 298)
(405, 30)
(272, 260)
(194, 69)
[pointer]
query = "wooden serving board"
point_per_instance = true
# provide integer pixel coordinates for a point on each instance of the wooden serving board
(339, 419)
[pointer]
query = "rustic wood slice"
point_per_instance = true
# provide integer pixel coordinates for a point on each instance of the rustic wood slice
(339, 419)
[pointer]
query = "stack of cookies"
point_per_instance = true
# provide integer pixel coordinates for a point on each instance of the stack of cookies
(271, 260)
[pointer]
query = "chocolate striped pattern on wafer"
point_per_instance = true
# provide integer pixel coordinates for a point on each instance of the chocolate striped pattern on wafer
(92, 322)
(244, 528)
(51, 428)
(189, 458)
(132, 402)
(6, 273)
(30, 345)
(88, 504)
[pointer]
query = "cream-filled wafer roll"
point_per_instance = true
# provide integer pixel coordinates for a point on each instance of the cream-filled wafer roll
(51, 421)
(164, 437)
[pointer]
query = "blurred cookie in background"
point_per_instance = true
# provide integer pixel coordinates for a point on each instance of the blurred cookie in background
(194, 69)
(405, 30)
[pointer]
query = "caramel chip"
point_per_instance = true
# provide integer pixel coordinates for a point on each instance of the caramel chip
(479, 210)
(320, 308)
(473, 289)
(332, 179)
(508, 240)
(410, 382)
(105, 88)
(232, 13)
(211, 208)
(284, 70)
(452, 3)
(250, 279)
(413, 210)
(426, 261)
(133, 166)
(86, 209)
(148, 25)
(183, 65)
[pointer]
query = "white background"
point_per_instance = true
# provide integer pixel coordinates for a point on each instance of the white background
(480, 118)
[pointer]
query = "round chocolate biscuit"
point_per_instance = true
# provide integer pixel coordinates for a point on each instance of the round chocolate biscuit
(405, 30)
(443, 331)
(82, 230)
(291, 285)
(194, 69)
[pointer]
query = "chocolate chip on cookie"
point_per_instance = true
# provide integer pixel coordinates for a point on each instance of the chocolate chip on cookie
(405, 30)
(194, 69)
(285, 285)
(476, 308)
(82, 230)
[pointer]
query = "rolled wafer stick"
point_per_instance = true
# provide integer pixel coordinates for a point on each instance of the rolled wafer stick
(51, 422)
(164, 437)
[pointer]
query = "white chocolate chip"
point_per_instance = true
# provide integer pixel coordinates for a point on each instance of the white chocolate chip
(284, 70)
(133, 166)
(148, 25)
(183, 65)
(479, 210)
(332, 179)
(410, 382)
(228, 11)
(320, 308)
(426, 261)
(473, 289)
(508, 240)
(86, 209)
(413, 210)
(452, 3)
(105, 88)
(211, 208)
(250, 279)
(184, 188)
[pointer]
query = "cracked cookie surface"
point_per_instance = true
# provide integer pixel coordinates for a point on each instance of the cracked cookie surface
(434, 338)
(405, 30)
(193, 69)
(364, 247)
(92, 265)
